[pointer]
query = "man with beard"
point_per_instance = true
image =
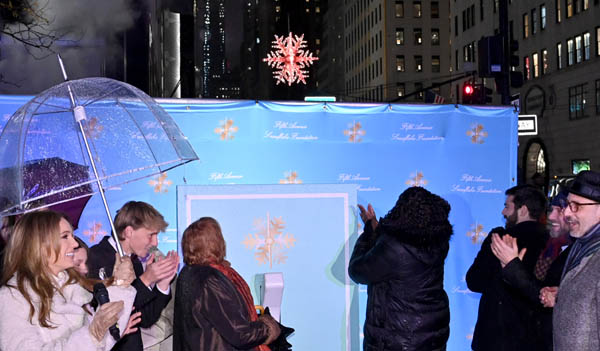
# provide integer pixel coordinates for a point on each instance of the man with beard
(575, 318)
(540, 287)
(505, 314)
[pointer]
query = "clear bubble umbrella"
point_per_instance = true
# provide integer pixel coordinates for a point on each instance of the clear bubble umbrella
(109, 128)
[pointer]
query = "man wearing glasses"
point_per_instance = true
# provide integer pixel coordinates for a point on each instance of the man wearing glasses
(577, 311)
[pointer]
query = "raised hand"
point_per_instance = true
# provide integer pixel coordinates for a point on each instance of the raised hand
(506, 249)
(159, 270)
(368, 215)
(173, 258)
(123, 271)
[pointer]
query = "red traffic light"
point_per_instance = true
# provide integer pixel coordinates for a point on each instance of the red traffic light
(468, 89)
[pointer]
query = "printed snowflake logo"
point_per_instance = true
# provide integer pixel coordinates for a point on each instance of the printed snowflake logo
(291, 177)
(226, 130)
(416, 179)
(161, 183)
(94, 230)
(290, 59)
(477, 134)
(269, 241)
(476, 234)
(354, 132)
(93, 128)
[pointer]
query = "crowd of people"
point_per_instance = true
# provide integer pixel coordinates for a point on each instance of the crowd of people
(538, 277)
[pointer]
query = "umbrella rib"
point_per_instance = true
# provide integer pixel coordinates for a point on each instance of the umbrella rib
(89, 102)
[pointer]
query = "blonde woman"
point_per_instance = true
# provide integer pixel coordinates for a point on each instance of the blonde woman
(44, 301)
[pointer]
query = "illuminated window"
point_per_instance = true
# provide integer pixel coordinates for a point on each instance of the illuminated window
(400, 66)
(570, 52)
(586, 46)
(418, 34)
(435, 36)
(577, 101)
(570, 8)
(417, 9)
(526, 25)
(399, 36)
(558, 11)
(578, 49)
(399, 9)
(418, 63)
(545, 61)
(527, 67)
(536, 65)
(435, 64)
(543, 16)
(400, 89)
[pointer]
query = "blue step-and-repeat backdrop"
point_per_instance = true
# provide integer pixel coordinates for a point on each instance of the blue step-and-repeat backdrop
(465, 154)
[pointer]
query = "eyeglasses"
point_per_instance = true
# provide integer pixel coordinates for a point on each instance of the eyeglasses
(574, 206)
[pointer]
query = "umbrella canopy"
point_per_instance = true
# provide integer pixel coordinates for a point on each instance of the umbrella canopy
(129, 136)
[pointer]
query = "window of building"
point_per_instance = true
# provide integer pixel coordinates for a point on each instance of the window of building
(435, 36)
(400, 9)
(496, 5)
(418, 63)
(399, 36)
(527, 68)
(570, 52)
(543, 16)
(557, 5)
(435, 64)
(597, 41)
(559, 56)
(586, 46)
(536, 65)
(570, 8)
(586, 4)
(464, 20)
(472, 15)
(456, 59)
(435, 9)
(400, 89)
(419, 88)
(455, 26)
(598, 96)
(418, 34)
(526, 25)
(544, 61)
(578, 6)
(417, 9)
(578, 49)
(577, 101)
(481, 10)
(533, 21)
(400, 66)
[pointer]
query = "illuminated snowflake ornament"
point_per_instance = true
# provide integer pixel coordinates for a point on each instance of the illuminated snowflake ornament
(290, 59)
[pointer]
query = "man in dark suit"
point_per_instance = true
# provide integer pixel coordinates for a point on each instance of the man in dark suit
(137, 225)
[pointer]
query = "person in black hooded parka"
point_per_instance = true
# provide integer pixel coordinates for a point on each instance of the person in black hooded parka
(401, 260)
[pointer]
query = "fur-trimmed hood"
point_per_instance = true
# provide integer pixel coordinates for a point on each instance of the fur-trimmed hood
(436, 235)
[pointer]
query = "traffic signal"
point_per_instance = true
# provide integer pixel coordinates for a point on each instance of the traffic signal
(516, 77)
(489, 51)
(467, 93)
(485, 95)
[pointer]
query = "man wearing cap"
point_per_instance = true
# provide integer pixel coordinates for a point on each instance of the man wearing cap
(577, 309)
(538, 287)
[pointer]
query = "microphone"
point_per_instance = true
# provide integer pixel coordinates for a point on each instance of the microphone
(101, 296)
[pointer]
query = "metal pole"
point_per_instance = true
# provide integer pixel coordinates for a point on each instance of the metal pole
(80, 115)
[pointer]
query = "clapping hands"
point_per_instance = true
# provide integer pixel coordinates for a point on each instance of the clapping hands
(161, 271)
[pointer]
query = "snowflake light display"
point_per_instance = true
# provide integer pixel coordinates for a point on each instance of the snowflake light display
(289, 59)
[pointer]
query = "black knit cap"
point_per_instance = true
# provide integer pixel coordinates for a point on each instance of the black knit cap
(587, 184)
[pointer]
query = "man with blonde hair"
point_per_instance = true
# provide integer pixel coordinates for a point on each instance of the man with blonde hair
(138, 224)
